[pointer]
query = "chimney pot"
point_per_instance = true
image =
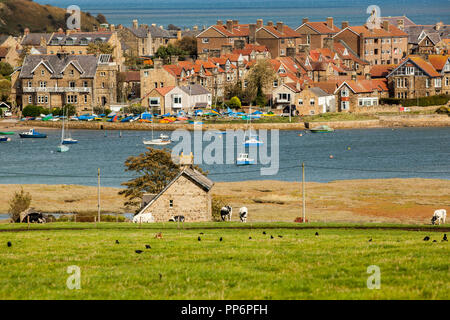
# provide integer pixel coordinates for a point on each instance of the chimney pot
(345, 24)
(330, 22)
(219, 22)
(235, 22)
(135, 24)
(386, 25)
(280, 27)
(229, 25)
(270, 24)
(305, 20)
(259, 23)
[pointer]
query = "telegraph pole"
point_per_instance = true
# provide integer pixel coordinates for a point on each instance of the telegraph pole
(304, 192)
(98, 195)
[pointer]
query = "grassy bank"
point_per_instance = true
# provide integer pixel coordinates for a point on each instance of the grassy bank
(298, 265)
(357, 201)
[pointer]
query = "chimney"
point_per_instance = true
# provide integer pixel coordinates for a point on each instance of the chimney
(161, 27)
(157, 63)
(26, 32)
(120, 27)
(401, 24)
(195, 28)
(305, 20)
(330, 22)
(230, 25)
(60, 30)
(344, 25)
(112, 27)
(235, 22)
(135, 24)
(270, 24)
(439, 26)
(259, 23)
(179, 34)
(219, 22)
(361, 45)
(354, 76)
(252, 33)
(328, 43)
(386, 25)
(280, 27)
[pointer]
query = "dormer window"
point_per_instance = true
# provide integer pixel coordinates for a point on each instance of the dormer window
(71, 72)
(84, 42)
(69, 41)
(42, 72)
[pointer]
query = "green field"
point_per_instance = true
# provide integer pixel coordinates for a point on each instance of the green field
(299, 265)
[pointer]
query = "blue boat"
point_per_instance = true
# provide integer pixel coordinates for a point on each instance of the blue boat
(4, 139)
(32, 134)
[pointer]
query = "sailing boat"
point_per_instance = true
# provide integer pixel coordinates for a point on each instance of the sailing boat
(62, 147)
(161, 141)
(252, 138)
(69, 139)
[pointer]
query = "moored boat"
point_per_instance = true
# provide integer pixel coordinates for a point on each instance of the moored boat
(322, 129)
(4, 139)
(32, 134)
(7, 133)
(243, 160)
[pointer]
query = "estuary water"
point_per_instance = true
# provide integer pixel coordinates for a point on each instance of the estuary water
(344, 154)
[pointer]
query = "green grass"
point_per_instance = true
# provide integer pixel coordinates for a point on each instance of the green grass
(298, 266)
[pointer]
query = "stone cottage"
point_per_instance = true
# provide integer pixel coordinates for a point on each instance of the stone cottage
(188, 195)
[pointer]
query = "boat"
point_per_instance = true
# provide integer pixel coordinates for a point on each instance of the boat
(9, 133)
(69, 139)
(322, 129)
(4, 139)
(161, 141)
(243, 160)
(252, 138)
(62, 147)
(32, 134)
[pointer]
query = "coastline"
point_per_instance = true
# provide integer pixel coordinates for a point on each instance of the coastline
(356, 201)
(396, 121)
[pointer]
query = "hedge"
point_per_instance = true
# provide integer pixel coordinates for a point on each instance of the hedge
(422, 102)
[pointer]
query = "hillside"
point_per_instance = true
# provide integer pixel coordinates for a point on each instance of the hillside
(16, 15)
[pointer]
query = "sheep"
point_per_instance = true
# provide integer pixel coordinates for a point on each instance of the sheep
(439, 216)
(143, 218)
(225, 212)
(243, 213)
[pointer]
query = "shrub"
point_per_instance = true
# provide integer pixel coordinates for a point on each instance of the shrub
(443, 110)
(135, 109)
(20, 202)
(217, 204)
(234, 103)
(421, 102)
(33, 111)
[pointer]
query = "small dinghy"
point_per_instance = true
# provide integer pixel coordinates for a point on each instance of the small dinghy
(244, 160)
(161, 141)
(4, 139)
(322, 129)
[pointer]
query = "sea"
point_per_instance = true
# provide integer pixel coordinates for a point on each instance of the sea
(341, 155)
(187, 13)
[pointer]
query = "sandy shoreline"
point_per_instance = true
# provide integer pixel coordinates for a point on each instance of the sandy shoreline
(377, 200)
(382, 122)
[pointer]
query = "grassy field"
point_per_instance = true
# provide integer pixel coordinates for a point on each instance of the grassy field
(300, 265)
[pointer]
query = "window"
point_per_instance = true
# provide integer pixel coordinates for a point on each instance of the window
(171, 203)
(283, 52)
(308, 39)
(410, 71)
(161, 85)
(30, 99)
(72, 84)
(284, 97)
(437, 82)
(275, 83)
(177, 99)
(311, 112)
(156, 84)
(367, 102)
(42, 72)
(85, 84)
(72, 99)
(300, 102)
(29, 84)
(103, 85)
(427, 82)
(42, 99)
(447, 81)
(345, 105)
(205, 40)
(43, 84)
(102, 74)
(312, 102)
(246, 83)
(345, 92)
(85, 98)
(145, 73)
(154, 101)
(71, 72)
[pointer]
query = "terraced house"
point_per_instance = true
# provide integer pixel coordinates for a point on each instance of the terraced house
(314, 33)
(56, 80)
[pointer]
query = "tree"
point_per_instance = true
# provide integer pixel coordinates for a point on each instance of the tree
(260, 76)
(5, 89)
(172, 27)
(6, 69)
(166, 52)
(233, 90)
(155, 169)
(188, 45)
(20, 202)
(100, 47)
(101, 19)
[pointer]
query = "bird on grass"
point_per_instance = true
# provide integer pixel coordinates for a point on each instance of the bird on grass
(264, 232)
(147, 246)
(201, 233)
(138, 251)
(117, 242)
(426, 238)
(160, 277)
(317, 234)
(370, 240)
(280, 236)
(445, 237)
(249, 238)
(434, 240)
(271, 236)
(199, 239)
(220, 239)
(9, 244)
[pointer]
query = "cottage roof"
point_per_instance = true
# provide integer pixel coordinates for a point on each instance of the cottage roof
(34, 39)
(77, 38)
(194, 89)
(193, 175)
(407, 22)
(321, 27)
(319, 92)
(377, 32)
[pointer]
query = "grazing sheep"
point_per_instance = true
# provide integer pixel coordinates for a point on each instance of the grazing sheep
(439, 216)
(243, 213)
(225, 212)
(143, 218)
(177, 219)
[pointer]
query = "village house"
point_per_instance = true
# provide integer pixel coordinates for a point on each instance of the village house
(74, 42)
(314, 100)
(401, 22)
(425, 39)
(415, 77)
(314, 34)
(131, 84)
(285, 95)
(279, 39)
(187, 195)
(9, 50)
(35, 43)
(443, 46)
(56, 80)
(137, 40)
(358, 95)
(252, 52)
(384, 45)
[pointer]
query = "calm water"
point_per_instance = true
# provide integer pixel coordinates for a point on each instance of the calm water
(374, 153)
(206, 12)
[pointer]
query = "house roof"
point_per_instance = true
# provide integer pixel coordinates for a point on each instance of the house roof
(195, 176)
(377, 33)
(416, 30)
(141, 32)
(194, 89)
(364, 86)
(3, 52)
(132, 76)
(321, 27)
(327, 86)
(56, 64)
(3, 38)
(158, 32)
(237, 30)
(319, 92)
(381, 70)
(407, 22)
(60, 39)
(34, 39)
(286, 32)
(164, 90)
(438, 61)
